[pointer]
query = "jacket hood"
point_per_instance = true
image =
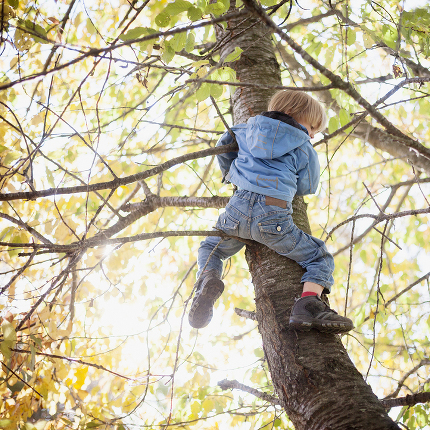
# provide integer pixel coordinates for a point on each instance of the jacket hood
(269, 138)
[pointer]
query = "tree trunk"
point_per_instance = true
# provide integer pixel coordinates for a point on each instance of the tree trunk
(314, 378)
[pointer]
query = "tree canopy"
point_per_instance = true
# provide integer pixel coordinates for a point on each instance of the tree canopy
(109, 116)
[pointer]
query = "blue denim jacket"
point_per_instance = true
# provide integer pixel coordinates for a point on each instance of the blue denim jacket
(275, 159)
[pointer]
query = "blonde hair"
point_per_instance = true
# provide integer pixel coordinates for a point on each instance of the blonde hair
(300, 106)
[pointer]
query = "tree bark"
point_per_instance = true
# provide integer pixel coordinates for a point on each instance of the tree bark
(316, 382)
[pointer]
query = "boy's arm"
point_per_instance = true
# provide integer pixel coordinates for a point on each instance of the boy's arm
(308, 177)
(225, 160)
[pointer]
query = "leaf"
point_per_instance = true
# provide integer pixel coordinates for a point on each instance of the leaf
(37, 119)
(5, 350)
(93, 425)
(189, 45)
(344, 117)
(333, 124)
(217, 8)
(178, 41)
(233, 56)
(11, 156)
(216, 90)
(203, 92)
(36, 28)
(195, 407)
(53, 20)
(6, 233)
(14, 3)
(168, 53)
(9, 333)
(162, 19)
(351, 37)
(194, 13)
(32, 357)
(5, 423)
(137, 32)
(50, 177)
(178, 7)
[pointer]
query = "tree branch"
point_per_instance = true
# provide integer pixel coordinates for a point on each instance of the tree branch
(118, 182)
(226, 384)
(246, 314)
(422, 363)
(409, 400)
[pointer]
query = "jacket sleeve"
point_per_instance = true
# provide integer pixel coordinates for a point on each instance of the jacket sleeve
(309, 175)
(225, 160)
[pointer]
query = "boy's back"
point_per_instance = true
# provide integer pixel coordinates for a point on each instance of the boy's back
(275, 157)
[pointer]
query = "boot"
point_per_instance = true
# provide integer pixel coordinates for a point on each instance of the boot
(311, 312)
(209, 289)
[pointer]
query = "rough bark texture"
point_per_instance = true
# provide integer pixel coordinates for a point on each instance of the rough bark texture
(313, 377)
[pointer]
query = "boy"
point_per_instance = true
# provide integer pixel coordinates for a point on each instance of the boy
(275, 161)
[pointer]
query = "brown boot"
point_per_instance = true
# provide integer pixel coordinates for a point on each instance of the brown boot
(209, 289)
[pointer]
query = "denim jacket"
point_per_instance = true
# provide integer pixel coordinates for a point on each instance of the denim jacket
(275, 157)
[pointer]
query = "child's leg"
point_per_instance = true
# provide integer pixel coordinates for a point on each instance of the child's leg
(209, 286)
(283, 236)
(213, 250)
(311, 288)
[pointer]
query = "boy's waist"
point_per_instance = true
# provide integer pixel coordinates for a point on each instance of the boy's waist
(267, 200)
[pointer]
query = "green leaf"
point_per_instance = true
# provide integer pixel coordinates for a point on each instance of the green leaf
(5, 234)
(93, 425)
(189, 45)
(36, 340)
(333, 124)
(203, 92)
(178, 6)
(9, 333)
(137, 32)
(194, 13)
(162, 19)
(50, 177)
(36, 28)
(32, 357)
(5, 350)
(178, 41)
(216, 90)
(14, 3)
(233, 56)
(168, 53)
(277, 423)
(11, 157)
(363, 256)
(217, 8)
(344, 117)
(351, 37)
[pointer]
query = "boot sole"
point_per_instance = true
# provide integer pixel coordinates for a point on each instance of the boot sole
(306, 324)
(201, 310)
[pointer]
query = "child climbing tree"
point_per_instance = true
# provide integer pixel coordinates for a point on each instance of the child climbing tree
(109, 118)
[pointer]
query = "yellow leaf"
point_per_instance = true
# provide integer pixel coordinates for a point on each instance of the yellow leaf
(36, 120)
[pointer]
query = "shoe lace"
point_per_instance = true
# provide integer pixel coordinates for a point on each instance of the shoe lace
(328, 308)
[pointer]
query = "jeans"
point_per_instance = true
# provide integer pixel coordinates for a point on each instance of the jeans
(247, 216)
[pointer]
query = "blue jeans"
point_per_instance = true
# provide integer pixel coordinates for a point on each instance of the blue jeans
(247, 216)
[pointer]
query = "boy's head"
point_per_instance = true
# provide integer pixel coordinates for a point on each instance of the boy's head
(302, 107)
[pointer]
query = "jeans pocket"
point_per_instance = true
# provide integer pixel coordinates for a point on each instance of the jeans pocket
(276, 233)
(228, 224)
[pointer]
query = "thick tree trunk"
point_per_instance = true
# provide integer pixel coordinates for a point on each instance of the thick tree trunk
(314, 378)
